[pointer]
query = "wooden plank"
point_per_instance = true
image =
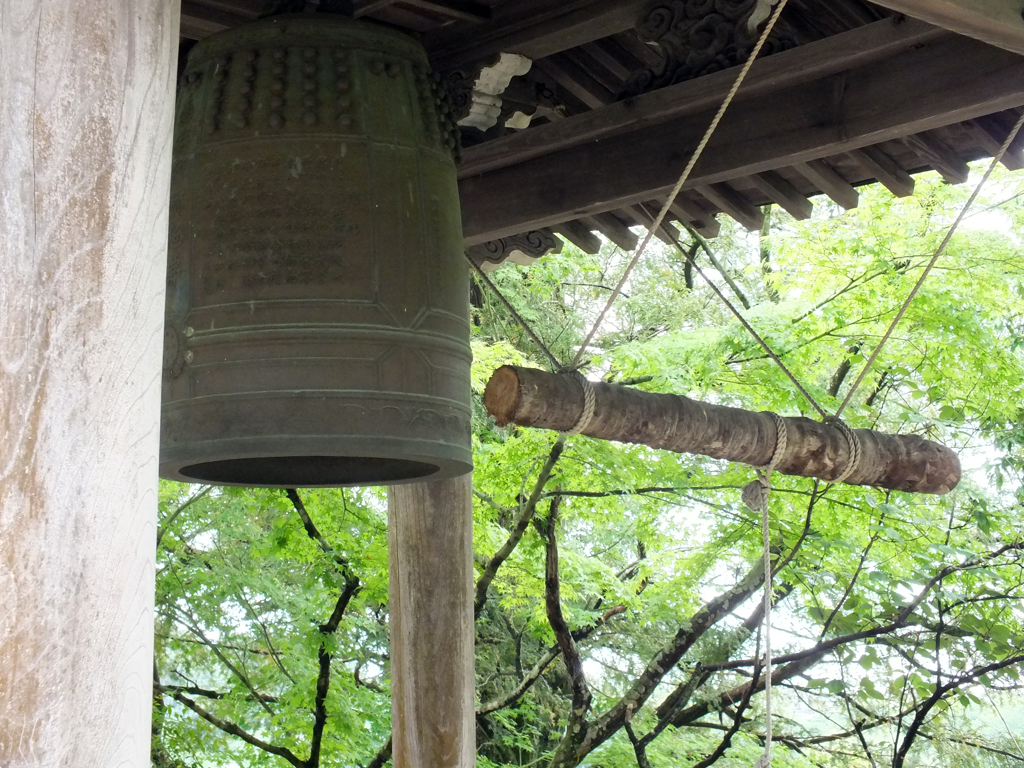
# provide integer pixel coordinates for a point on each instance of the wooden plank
(735, 204)
(809, 121)
(430, 549)
(831, 183)
(998, 22)
(453, 9)
(199, 21)
(992, 134)
(88, 95)
(535, 29)
(577, 233)
(371, 6)
(576, 81)
(780, 191)
(807, 63)
(602, 52)
(951, 166)
(878, 164)
(615, 230)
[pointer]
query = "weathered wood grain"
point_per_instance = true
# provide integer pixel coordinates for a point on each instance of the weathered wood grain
(430, 536)
(811, 120)
(88, 99)
(805, 63)
(535, 29)
(998, 22)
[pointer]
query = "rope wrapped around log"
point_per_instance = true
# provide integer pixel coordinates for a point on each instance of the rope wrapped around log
(533, 398)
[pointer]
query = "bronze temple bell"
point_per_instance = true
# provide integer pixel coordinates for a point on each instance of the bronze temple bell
(317, 326)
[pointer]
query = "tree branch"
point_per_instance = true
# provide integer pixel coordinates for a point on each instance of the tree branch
(553, 603)
(204, 692)
(174, 515)
(194, 628)
(526, 514)
(382, 756)
(323, 680)
(733, 730)
(234, 730)
(543, 663)
(940, 692)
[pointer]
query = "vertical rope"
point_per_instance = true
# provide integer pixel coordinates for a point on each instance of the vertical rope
(766, 759)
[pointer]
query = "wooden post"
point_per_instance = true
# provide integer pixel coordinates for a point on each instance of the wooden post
(532, 398)
(85, 153)
(430, 530)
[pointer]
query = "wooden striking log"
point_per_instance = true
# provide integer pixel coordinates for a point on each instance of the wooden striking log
(532, 398)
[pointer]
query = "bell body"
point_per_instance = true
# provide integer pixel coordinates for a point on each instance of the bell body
(317, 325)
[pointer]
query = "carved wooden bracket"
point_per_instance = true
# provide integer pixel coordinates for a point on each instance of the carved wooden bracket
(698, 37)
(476, 94)
(521, 249)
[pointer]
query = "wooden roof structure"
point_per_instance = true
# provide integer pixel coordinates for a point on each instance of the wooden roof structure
(861, 93)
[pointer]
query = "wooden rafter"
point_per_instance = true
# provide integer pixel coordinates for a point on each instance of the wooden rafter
(857, 48)
(800, 121)
(454, 9)
(999, 22)
(535, 29)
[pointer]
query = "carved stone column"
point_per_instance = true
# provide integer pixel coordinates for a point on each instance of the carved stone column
(88, 95)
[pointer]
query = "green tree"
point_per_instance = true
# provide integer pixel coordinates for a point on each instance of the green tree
(617, 601)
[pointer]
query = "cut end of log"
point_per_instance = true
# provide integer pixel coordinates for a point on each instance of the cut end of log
(501, 398)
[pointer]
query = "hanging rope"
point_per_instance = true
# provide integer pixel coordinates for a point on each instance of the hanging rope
(755, 494)
(765, 760)
(670, 200)
(931, 264)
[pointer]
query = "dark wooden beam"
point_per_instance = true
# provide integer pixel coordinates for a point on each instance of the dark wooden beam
(693, 213)
(998, 22)
(463, 10)
(991, 133)
(199, 20)
(882, 167)
(951, 166)
(825, 178)
(644, 215)
(806, 63)
(612, 227)
(371, 6)
(579, 235)
(949, 80)
(535, 29)
(735, 204)
(576, 81)
(778, 190)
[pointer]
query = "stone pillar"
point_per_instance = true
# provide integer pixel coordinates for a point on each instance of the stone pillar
(87, 90)
(430, 529)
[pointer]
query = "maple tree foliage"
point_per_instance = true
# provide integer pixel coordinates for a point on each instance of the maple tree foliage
(898, 624)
